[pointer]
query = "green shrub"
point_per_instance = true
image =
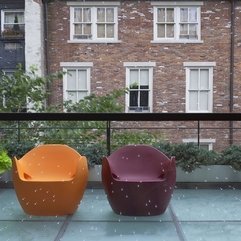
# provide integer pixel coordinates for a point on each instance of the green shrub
(188, 155)
(93, 152)
(128, 137)
(17, 149)
(232, 156)
(5, 161)
(166, 147)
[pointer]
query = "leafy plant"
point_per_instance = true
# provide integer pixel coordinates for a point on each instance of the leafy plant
(188, 155)
(17, 149)
(166, 147)
(5, 161)
(232, 156)
(94, 152)
(108, 103)
(21, 87)
(127, 137)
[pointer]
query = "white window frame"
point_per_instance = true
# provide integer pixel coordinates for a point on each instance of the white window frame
(75, 66)
(200, 65)
(93, 8)
(10, 11)
(208, 142)
(176, 5)
(140, 65)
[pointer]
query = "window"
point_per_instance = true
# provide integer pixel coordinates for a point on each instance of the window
(76, 80)
(199, 86)
(177, 23)
(12, 46)
(139, 78)
(94, 23)
(206, 144)
(12, 22)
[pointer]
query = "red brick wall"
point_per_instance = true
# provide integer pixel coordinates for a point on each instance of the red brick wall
(136, 33)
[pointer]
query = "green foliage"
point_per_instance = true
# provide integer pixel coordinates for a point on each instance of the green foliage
(22, 87)
(108, 103)
(188, 155)
(128, 137)
(84, 132)
(17, 149)
(94, 152)
(232, 156)
(5, 161)
(166, 147)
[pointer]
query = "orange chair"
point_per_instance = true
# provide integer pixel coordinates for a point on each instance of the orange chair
(50, 180)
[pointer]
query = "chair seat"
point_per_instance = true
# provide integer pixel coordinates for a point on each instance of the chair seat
(137, 178)
(52, 177)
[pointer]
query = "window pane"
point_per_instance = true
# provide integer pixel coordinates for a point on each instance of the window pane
(72, 96)
(193, 100)
(101, 30)
(87, 15)
(100, 15)
(78, 29)
(133, 98)
(110, 31)
(184, 14)
(110, 15)
(170, 15)
(170, 30)
(71, 80)
(14, 17)
(78, 15)
(134, 79)
(144, 98)
(193, 30)
(161, 15)
(82, 79)
(82, 95)
(203, 102)
(9, 18)
(144, 78)
(161, 31)
(183, 29)
(193, 85)
(87, 29)
(204, 79)
(192, 14)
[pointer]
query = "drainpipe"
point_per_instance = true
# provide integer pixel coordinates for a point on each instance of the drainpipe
(45, 19)
(45, 33)
(231, 77)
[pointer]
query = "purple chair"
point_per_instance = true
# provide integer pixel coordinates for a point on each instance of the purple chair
(139, 180)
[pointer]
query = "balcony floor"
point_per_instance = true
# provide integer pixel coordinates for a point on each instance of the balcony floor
(193, 215)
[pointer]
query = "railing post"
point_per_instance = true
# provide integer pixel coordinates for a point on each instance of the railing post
(18, 126)
(108, 137)
(198, 134)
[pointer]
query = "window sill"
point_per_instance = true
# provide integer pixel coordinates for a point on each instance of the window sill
(94, 41)
(177, 41)
(205, 112)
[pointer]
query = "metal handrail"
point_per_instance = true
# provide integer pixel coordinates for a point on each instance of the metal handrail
(111, 117)
(121, 116)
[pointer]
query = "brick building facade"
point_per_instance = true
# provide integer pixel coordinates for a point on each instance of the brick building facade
(136, 47)
(185, 55)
